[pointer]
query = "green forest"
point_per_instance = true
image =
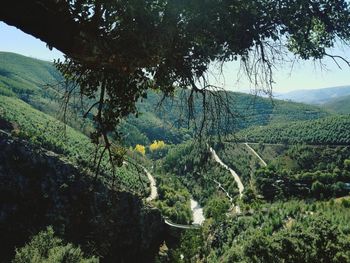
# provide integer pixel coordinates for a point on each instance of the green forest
(124, 151)
(325, 131)
(287, 208)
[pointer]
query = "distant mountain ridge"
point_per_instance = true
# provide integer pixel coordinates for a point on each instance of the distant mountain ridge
(339, 105)
(315, 96)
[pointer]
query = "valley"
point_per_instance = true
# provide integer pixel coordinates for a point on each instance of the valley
(276, 182)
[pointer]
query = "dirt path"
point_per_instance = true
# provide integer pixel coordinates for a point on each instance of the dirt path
(224, 190)
(197, 211)
(233, 173)
(154, 193)
(256, 154)
(169, 223)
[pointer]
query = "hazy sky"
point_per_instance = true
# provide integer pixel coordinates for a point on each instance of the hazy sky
(305, 75)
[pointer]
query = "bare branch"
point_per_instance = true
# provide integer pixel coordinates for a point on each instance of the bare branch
(335, 57)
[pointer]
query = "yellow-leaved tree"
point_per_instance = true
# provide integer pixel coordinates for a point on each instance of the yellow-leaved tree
(157, 145)
(140, 148)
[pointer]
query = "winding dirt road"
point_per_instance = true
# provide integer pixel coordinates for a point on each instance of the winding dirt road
(169, 223)
(233, 173)
(197, 211)
(224, 190)
(256, 154)
(154, 193)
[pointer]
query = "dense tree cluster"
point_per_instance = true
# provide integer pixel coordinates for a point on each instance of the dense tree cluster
(306, 172)
(292, 231)
(46, 247)
(192, 163)
(331, 130)
(217, 207)
(174, 199)
(279, 185)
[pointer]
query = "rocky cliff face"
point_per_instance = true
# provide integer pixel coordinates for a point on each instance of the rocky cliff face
(38, 189)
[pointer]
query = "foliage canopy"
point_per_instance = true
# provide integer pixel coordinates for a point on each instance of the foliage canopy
(46, 247)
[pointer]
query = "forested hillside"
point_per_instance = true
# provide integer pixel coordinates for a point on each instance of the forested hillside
(331, 130)
(284, 208)
(196, 168)
(39, 188)
(24, 76)
(39, 84)
(295, 231)
(49, 177)
(287, 208)
(42, 130)
(339, 105)
(131, 150)
(169, 121)
(316, 96)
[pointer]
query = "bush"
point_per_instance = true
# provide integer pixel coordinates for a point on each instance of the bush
(217, 208)
(45, 247)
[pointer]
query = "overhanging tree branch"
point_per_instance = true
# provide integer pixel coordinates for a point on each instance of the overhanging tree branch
(130, 47)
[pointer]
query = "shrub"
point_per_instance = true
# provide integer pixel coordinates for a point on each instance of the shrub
(45, 247)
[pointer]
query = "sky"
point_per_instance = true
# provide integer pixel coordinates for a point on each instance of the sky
(14, 40)
(303, 75)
